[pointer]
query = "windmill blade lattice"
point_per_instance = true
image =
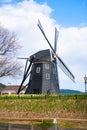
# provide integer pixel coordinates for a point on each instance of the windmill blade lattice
(41, 28)
(65, 69)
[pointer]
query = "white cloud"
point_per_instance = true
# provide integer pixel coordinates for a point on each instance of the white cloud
(72, 48)
(72, 43)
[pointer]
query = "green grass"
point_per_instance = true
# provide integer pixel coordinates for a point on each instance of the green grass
(67, 125)
(45, 96)
(49, 106)
(46, 124)
(45, 106)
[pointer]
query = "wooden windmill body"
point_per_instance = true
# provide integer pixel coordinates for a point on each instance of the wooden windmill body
(43, 77)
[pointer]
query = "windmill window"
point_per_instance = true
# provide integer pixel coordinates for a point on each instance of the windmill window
(47, 76)
(38, 70)
(47, 66)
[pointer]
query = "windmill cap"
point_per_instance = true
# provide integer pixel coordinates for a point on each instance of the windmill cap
(43, 55)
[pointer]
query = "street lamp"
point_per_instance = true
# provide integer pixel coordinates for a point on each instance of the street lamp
(85, 79)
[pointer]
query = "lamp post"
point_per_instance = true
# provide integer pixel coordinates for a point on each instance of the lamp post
(85, 80)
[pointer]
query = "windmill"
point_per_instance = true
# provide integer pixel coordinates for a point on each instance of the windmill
(41, 69)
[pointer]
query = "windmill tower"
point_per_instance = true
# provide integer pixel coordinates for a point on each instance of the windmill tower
(41, 69)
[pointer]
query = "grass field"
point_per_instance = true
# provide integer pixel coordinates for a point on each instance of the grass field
(64, 106)
(44, 106)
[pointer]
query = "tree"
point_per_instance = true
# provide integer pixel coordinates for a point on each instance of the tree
(8, 47)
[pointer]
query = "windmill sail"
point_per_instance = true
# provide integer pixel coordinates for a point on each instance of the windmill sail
(41, 28)
(56, 38)
(26, 74)
(65, 69)
(61, 64)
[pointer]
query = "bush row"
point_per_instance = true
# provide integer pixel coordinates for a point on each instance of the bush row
(41, 96)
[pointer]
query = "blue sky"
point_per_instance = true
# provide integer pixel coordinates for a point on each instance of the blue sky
(70, 18)
(68, 12)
